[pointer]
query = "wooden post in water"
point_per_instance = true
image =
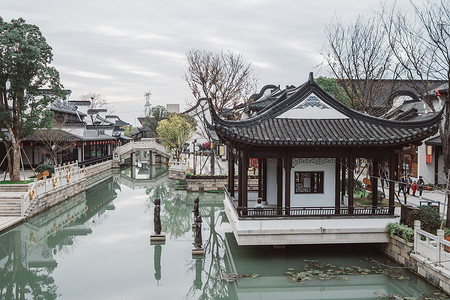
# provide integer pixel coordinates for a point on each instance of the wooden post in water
(195, 211)
(157, 236)
(198, 250)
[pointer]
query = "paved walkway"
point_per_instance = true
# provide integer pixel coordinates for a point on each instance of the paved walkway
(435, 196)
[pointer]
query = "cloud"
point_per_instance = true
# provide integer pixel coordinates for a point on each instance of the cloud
(129, 34)
(84, 74)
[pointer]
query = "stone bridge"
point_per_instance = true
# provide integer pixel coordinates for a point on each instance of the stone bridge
(146, 150)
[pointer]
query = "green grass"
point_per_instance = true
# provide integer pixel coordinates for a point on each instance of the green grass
(20, 182)
(359, 200)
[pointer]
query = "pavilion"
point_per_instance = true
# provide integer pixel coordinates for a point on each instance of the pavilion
(306, 144)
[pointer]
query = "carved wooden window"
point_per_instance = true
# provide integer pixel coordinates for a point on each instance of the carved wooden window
(309, 182)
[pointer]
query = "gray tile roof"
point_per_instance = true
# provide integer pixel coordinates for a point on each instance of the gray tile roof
(356, 130)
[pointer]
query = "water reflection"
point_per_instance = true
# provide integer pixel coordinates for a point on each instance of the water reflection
(96, 246)
(27, 252)
(157, 262)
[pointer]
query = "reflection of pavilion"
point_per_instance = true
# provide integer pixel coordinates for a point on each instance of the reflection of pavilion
(139, 178)
(273, 284)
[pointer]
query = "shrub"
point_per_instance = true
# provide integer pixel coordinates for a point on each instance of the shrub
(44, 167)
(381, 196)
(446, 232)
(357, 185)
(428, 217)
(206, 145)
(403, 231)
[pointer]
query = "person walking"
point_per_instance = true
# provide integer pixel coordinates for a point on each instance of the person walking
(408, 184)
(420, 186)
(414, 187)
(401, 185)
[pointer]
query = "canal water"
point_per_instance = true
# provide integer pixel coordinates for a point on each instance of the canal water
(97, 246)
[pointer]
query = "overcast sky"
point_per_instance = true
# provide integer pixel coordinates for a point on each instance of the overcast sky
(122, 49)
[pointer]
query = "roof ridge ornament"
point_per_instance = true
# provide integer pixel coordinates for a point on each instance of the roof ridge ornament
(311, 78)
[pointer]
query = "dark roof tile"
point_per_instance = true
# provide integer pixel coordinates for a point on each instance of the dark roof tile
(356, 129)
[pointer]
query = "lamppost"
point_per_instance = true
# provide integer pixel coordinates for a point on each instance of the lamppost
(195, 154)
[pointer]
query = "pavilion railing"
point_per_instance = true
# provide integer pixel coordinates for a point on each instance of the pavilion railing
(295, 212)
(311, 211)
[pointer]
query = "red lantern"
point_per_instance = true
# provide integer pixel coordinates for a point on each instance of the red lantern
(74, 144)
(31, 144)
(429, 152)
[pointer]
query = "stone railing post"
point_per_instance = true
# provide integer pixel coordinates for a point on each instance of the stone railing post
(416, 235)
(440, 237)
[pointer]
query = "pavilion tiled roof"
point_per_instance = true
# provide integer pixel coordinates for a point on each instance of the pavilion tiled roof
(355, 129)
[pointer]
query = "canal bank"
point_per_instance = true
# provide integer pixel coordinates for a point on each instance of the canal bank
(403, 253)
(39, 196)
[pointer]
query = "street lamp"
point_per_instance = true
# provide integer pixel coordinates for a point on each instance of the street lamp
(193, 149)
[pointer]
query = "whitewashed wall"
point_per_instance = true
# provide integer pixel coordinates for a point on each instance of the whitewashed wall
(272, 181)
(423, 169)
(315, 200)
(427, 170)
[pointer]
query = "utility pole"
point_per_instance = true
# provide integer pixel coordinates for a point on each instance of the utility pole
(147, 105)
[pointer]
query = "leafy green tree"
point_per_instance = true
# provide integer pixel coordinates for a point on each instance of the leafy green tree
(24, 70)
(157, 114)
(129, 130)
(332, 87)
(174, 132)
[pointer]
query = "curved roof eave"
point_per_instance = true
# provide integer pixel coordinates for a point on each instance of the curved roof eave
(287, 102)
(227, 135)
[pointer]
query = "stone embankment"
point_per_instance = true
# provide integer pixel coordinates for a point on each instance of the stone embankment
(214, 183)
(19, 202)
(403, 253)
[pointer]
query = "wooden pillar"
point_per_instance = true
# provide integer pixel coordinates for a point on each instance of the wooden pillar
(280, 185)
(264, 179)
(32, 156)
(287, 183)
(392, 168)
(436, 165)
(245, 181)
(337, 200)
(351, 177)
(343, 183)
(233, 177)
(374, 183)
(260, 187)
(240, 181)
(230, 172)
(82, 152)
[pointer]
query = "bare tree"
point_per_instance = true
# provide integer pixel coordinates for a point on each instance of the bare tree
(97, 101)
(56, 142)
(422, 47)
(359, 56)
(224, 78)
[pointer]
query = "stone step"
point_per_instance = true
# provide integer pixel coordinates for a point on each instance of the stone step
(11, 195)
(10, 207)
(10, 212)
(10, 201)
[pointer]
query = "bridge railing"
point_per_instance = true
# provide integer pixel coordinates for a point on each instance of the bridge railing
(143, 144)
(434, 248)
(63, 176)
